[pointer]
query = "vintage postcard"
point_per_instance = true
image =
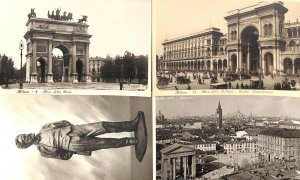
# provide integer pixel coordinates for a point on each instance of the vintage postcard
(226, 45)
(90, 46)
(227, 137)
(76, 137)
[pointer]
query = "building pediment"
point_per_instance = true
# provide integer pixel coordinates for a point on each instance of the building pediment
(177, 149)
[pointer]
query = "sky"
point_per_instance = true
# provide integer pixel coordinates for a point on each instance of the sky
(28, 114)
(207, 105)
(116, 25)
(176, 18)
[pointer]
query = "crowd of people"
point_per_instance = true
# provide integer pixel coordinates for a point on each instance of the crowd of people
(285, 85)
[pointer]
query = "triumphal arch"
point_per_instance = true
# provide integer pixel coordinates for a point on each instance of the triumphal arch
(256, 37)
(57, 31)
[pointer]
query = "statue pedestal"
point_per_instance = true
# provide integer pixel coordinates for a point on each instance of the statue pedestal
(88, 79)
(33, 78)
(142, 136)
(50, 78)
(74, 77)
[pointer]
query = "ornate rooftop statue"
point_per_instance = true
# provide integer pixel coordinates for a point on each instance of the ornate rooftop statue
(64, 17)
(32, 13)
(83, 19)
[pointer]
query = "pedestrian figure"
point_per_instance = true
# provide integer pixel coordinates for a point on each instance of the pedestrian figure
(237, 86)
(176, 88)
(242, 86)
(121, 85)
(189, 87)
(229, 84)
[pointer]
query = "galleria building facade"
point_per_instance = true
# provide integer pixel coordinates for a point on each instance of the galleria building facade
(258, 40)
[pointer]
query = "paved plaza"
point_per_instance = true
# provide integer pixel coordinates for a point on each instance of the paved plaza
(232, 160)
(91, 86)
(267, 80)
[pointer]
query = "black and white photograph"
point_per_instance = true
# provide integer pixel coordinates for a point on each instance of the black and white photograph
(76, 137)
(77, 45)
(227, 137)
(227, 45)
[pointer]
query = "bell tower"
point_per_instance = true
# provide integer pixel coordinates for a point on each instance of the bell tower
(219, 120)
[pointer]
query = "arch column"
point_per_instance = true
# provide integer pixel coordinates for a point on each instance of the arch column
(239, 61)
(50, 74)
(193, 166)
(28, 62)
(174, 168)
(33, 78)
(293, 65)
(87, 71)
(275, 61)
(184, 167)
(74, 74)
(248, 57)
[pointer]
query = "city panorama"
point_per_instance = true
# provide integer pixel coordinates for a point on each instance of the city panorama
(258, 48)
(227, 137)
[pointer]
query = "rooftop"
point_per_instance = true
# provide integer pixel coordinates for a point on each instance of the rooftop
(240, 142)
(281, 132)
(201, 33)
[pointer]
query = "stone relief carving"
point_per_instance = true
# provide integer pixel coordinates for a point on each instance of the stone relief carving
(79, 50)
(42, 25)
(42, 35)
(66, 44)
(80, 29)
(81, 38)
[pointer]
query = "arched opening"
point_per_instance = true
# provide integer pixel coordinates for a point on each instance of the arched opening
(297, 66)
(41, 70)
(79, 70)
(61, 64)
(268, 63)
(215, 65)
(250, 51)
(208, 52)
(192, 65)
(288, 66)
(199, 64)
(202, 65)
(220, 68)
(208, 64)
(224, 64)
(221, 51)
(292, 46)
(233, 60)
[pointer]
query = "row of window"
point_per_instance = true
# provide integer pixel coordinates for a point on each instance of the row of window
(189, 54)
(186, 45)
(293, 32)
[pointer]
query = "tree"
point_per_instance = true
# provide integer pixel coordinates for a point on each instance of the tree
(16, 74)
(141, 63)
(7, 69)
(107, 69)
(129, 67)
(118, 70)
(57, 69)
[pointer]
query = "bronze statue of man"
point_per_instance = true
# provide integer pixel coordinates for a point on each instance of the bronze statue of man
(62, 139)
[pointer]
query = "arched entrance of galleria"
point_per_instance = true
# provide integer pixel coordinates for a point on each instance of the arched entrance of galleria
(71, 38)
(250, 51)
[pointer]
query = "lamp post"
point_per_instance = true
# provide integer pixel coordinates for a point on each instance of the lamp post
(21, 47)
